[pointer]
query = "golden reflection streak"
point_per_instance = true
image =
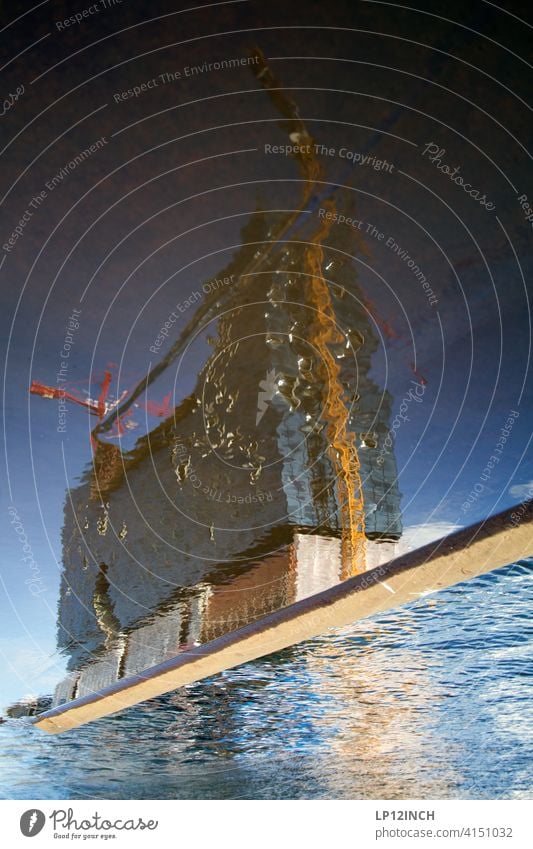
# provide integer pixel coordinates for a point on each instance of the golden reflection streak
(342, 449)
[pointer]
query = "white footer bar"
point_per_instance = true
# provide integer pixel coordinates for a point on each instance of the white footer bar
(245, 824)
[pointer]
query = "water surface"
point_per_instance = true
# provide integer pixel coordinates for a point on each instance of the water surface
(429, 701)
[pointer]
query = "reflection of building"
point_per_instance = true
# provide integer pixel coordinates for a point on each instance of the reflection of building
(206, 500)
(30, 706)
(202, 526)
(297, 327)
(308, 565)
(260, 451)
(382, 705)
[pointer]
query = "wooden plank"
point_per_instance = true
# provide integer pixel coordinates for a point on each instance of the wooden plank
(491, 544)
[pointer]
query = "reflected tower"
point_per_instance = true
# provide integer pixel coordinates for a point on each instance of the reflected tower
(263, 485)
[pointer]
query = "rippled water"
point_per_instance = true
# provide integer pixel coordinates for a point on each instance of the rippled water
(431, 701)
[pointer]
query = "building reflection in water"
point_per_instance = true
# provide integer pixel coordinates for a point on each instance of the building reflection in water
(268, 483)
(378, 708)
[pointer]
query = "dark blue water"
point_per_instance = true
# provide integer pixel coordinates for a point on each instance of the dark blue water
(431, 701)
